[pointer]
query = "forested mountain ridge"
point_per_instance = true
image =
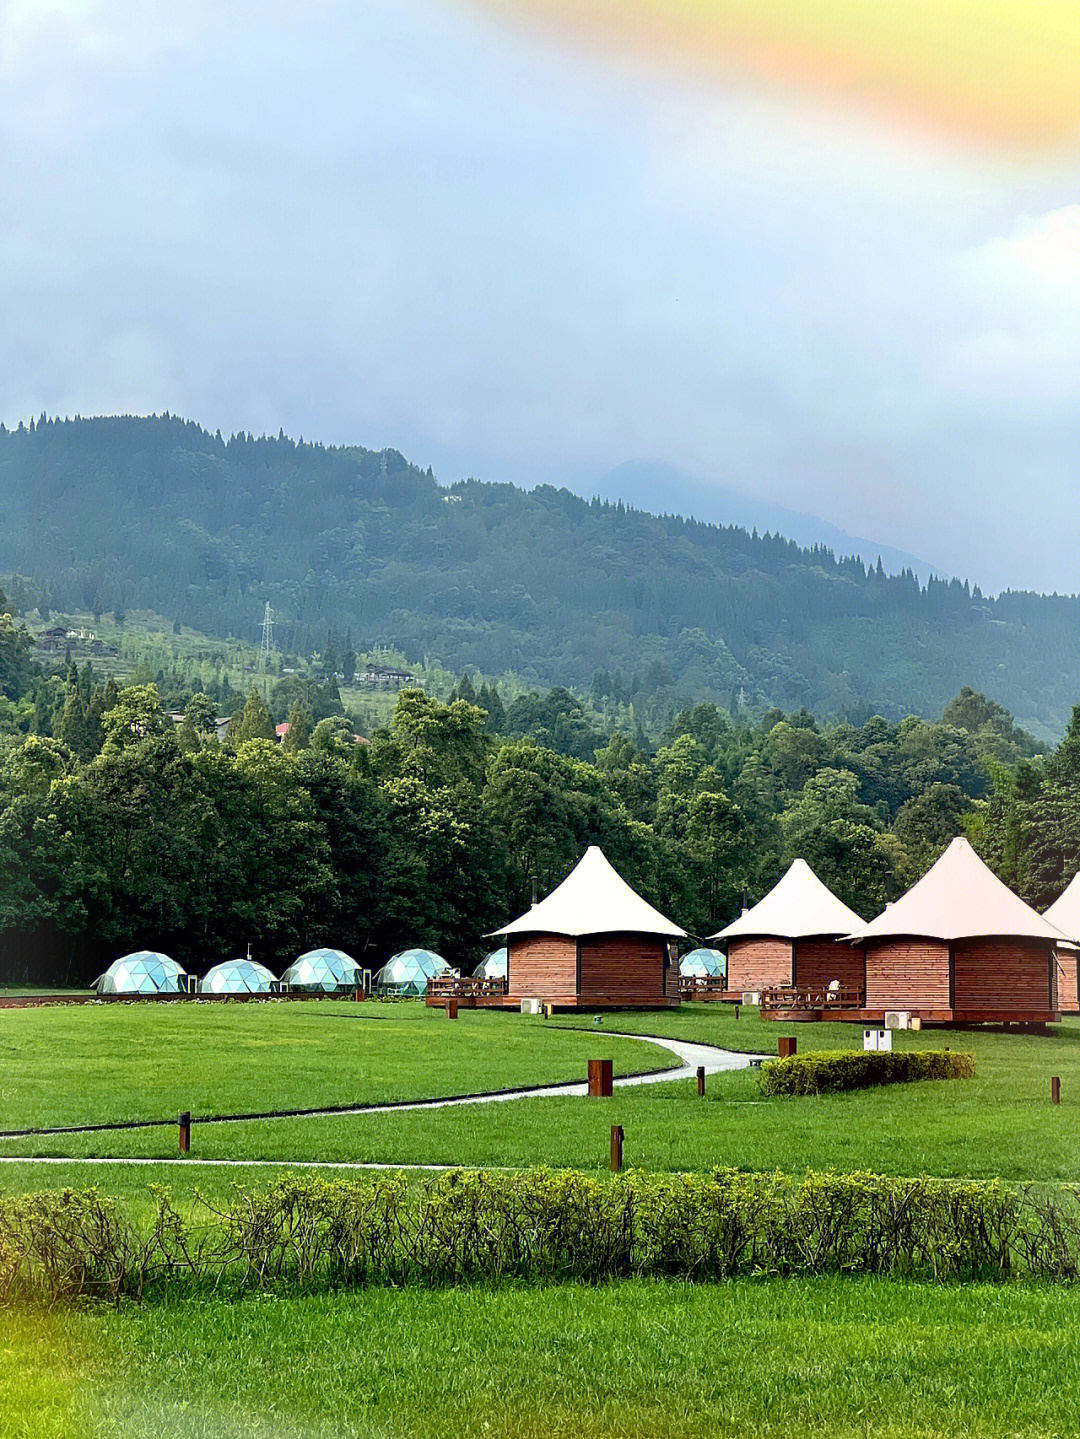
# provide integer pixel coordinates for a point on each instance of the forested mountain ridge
(553, 588)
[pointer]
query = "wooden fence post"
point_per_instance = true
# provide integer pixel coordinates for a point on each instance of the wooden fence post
(185, 1132)
(451, 1009)
(786, 1046)
(1055, 1090)
(701, 1079)
(601, 1083)
(616, 1147)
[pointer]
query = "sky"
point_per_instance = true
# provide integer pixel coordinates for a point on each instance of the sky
(821, 252)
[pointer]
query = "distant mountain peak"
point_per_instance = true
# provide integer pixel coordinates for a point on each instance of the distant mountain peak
(658, 487)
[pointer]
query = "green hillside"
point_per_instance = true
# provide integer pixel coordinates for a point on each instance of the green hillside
(538, 585)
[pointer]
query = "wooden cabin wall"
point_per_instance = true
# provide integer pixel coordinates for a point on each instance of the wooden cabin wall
(758, 963)
(625, 969)
(907, 974)
(820, 960)
(541, 966)
(1068, 981)
(1012, 975)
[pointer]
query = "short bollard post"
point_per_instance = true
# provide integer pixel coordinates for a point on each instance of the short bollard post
(736, 1011)
(1055, 1090)
(185, 1132)
(701, 1079)
(785, 1046)
(616, 1147)
(601, 1082)
(451, 1009)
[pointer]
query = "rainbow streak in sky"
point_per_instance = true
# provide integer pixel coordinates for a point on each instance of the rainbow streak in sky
(1003, 74)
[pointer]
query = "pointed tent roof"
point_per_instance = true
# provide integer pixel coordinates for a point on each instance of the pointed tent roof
(798, 906)
(593, 899)
(959, 897)
(1064, 913)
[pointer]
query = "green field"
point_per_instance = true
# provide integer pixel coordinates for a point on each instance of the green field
(817, 1357)
(92, 1064)
(829, 1358)
(999, 1124)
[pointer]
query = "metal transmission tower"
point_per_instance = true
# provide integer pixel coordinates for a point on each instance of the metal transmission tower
(267, 632)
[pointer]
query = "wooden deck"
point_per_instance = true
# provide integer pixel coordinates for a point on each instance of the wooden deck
(698, 987)
(794, 1004)
(473, 992)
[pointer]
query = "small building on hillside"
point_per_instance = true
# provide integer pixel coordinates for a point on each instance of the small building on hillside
(593, 943)
(1064, 914)
(961, 947)
(792, 938)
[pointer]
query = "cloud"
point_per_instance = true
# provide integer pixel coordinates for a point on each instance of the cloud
(1020, 344)
(405, 224)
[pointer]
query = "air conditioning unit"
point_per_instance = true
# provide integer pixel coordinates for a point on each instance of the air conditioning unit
(751, 996)
(898, 1019)
(877, 1039)
(532, 1006)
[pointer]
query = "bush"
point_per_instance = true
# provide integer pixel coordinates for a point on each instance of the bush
(482, 1227)
(831, 1070)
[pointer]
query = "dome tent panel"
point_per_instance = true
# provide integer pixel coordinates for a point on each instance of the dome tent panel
(408, 972)
(492, 966)
(702, 963)
(144, 972)
(237, 976)
(326, 971)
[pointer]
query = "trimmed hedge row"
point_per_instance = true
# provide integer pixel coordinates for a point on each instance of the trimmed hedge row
(828, 1071)
(476, 1226)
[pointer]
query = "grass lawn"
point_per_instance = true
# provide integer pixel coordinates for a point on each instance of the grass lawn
(833, 1358)
(999, 1124)
(90, 1064)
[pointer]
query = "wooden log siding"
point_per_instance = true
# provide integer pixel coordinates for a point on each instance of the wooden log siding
(820, 960)
(624, 969)
(907, 974)
(1067, 981)
(758, 963)
(1007, 974)
(542, 966)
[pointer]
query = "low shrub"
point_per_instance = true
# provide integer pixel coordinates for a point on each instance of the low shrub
(830, 1070)
(465, 1227)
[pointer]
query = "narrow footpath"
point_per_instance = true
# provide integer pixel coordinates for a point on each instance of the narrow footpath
(691, 1057)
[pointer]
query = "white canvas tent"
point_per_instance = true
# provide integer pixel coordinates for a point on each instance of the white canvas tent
(593, 899)
(960, 897)
(1064, 914)
(797, 907)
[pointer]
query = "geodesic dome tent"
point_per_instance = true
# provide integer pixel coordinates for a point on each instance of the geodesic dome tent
(492, 966)
(144, 972)
(237, 976)
(323, 970)
(408, 972)
(701, 963)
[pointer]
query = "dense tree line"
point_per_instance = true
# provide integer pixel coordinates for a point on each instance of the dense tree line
(122, 829)
(357, 549)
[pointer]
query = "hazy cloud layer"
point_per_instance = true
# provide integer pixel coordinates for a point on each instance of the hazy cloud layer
(407, 225)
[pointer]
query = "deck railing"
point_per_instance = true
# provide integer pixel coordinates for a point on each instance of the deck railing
(691, 984)
(811, 997)
(466, 986)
